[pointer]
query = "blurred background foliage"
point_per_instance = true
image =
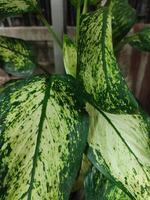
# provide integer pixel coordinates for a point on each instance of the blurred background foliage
(142, 7)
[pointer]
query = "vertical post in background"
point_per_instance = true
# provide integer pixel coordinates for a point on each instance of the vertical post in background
(58, 22)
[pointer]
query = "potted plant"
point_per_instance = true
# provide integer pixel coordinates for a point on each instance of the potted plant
(53, 127)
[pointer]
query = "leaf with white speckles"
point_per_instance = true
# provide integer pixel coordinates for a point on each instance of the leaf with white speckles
(70, 56)
(119, 147)
(17, 56)
(43, 132)
(15, 7)
(97, 187)
(98, 71)
(124, 17)
(119, 144)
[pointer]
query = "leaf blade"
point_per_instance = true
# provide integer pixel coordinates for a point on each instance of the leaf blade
(124, 139)
(124, 17)
(15, 7)
(50, 128)
(70, 56)
(17, 56)
(98, 71)
(140, 40)
(97, 187)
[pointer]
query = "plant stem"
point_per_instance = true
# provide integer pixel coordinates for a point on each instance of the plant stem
(108, 3)
(78, 20)
(85, 7)
(51, 31)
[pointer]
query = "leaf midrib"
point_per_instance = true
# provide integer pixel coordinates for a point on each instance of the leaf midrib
(119, 134)
(39, 134)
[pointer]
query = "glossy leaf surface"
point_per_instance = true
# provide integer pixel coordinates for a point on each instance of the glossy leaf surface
(43, 135)
(70, 56)
(97, 187)
(98, 71)
(17, 56)
(15, 7)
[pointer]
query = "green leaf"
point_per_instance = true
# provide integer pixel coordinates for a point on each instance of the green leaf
(70, 56)
(119, 147)
(15, 7)
(141, 40)
(17, 56)
(97, 187)
(119, 144)
(43, 134)
(98, 71)
(124, 17)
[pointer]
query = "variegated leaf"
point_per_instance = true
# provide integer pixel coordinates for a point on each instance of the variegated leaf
(17, 56)
(141, 40)
(98, 71)
(124, 17)
(70, 56)
(119, 144)
(15, 7)
(119, 147)
(97, 187)
(43, 131)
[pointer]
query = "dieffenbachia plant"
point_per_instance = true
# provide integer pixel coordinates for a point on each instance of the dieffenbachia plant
(48, 123)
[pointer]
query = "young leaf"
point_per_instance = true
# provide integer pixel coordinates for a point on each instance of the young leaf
(119, 147)
(15, 7)
(141, 40)
(16, 56)
(97, 187)
(70, 56)
(97, 70)
(43, 134)
(124, 17)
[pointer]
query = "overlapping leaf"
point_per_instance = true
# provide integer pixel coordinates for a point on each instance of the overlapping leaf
(119, 143)
(124, 17)
(97, 187)
(141, 40)
(119, 146)
(17, 56)
(15, 7)
(70, 56)
(98, 71)
(43, 131)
